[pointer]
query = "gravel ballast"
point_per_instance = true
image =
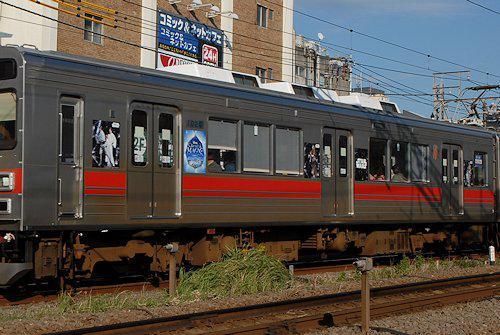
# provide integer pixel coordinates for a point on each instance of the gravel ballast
(472, 318)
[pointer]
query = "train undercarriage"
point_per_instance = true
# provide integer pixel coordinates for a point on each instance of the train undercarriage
(70, 257)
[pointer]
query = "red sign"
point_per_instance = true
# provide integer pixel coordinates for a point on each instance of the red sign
(210, 55)
(167, 61)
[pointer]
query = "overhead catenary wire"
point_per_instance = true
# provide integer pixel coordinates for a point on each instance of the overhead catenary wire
(354, 31)
(105, 35)
(312, 39)
(483, 7)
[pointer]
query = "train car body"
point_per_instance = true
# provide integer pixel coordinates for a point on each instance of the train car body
(104, 164)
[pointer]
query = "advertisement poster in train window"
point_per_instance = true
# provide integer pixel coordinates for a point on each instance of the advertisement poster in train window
(181, 41)
(105, 144)
(195, 151)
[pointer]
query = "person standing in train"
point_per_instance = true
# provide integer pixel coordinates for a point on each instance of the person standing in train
(109, 146)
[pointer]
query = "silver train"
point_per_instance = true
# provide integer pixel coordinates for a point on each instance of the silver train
(107, 169)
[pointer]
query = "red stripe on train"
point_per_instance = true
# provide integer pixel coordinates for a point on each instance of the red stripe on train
(385, 192)
(482, 196)
(105, 183)
(238, 187)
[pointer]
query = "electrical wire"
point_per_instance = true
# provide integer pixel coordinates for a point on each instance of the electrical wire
(483, 7)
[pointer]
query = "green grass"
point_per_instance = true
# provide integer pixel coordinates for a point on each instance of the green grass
(241, 272)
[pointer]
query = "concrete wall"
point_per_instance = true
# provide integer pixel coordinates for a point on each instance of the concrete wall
(28, 28)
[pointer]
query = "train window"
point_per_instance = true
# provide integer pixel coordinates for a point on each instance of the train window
(8, 69)
(419, 162)
(67, 153)
(480, 164)
(444, 165)
(288, 151)
(165, 140)
(8, 103)
(475, 171)
(399, 162)
(377, 159)
(455, 166)
(361, 162)
(222, 146)
(327, 158)
(311, 160)
(256, 148)
(105, 144)
(343, 156)
(139, 138)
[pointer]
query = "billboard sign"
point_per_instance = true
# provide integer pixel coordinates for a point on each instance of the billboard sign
(180, 40)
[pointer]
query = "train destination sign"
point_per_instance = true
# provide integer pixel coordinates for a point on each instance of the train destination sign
(181, 41)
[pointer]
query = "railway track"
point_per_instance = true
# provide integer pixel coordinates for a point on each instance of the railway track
(299, 269)
(307, 314)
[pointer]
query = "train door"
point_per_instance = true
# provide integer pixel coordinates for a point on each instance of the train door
(336, 173)
(165, 186)
(343, 174)
(327, 173)
(69, 171)
(452, 179)
(152, 179)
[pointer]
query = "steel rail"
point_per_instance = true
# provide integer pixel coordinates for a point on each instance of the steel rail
(316, 311)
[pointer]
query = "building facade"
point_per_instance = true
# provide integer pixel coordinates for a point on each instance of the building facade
(315, 67)
(248, 36)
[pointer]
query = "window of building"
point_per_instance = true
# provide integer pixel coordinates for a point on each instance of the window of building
(444, 165)
(244, 80)
(93, 29)
(327, 158)
(222, 146)
(343, 156)
(261, 73)
(271, 14)
(300, 71)
(419, 162)
(165, 140)
(256, 148)
(322, 80)
(288, 151)
(139, 138)
(378, 159)
(8, 105)
(262, 16)
(361, 162)
(399, 162)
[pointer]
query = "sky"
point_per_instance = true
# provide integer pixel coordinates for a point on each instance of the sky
(455, 30)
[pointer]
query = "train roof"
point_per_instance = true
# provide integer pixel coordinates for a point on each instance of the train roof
(91, 66)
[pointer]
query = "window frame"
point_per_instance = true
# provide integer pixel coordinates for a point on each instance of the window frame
(146, 135)
(261, 73)
(427, 179)
(300, 170)
(90, 34)
(262, 16)
(386, 153)
(484, 165)
(408, 164)
(15, 140)
(238, 143)
(270, 169)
